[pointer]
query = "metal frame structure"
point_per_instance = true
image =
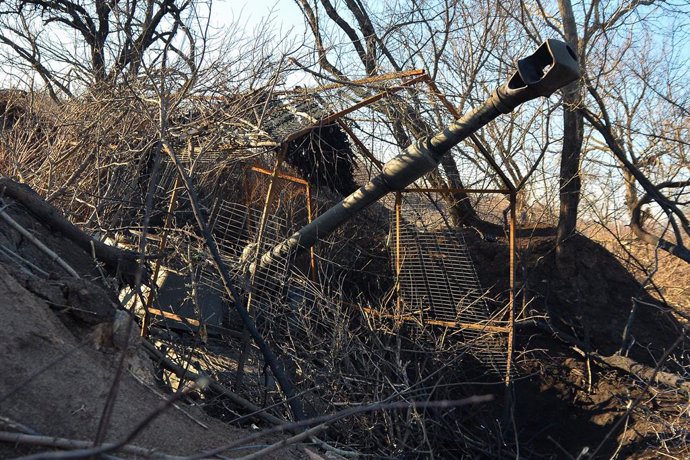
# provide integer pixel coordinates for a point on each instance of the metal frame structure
(410, 79)
(458, 324)
(274, 176)
(413, 78)
(552, 66)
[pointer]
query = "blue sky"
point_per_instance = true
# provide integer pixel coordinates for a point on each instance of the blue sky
(284, 12)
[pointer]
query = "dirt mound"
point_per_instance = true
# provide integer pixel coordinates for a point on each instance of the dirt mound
(61, 340)
(589, 294)
(567, 403)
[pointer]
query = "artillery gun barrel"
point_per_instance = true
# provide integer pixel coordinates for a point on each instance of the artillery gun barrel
(552, 66)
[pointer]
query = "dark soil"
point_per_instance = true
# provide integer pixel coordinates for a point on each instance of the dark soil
(566, 405)
(587, 293)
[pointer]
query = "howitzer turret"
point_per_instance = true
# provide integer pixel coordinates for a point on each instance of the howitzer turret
(552, 66)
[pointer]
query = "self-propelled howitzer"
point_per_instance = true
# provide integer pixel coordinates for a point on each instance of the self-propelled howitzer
(552, 66)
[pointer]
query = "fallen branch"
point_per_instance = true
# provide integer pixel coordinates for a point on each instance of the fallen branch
(326, 419)
(21, 261)
(269, 355)
(15, 426)
(118, 262)
(623, 363)
(284, 443)
(64, 443)
(644, 372)
(677, 249)
(637, 401)
(38, 243)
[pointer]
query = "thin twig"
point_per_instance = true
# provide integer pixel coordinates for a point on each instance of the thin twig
(138, 277)
(213, 385)
(229, 285)
(11, 254)
(285, 442)
(638, 400)
(237, 420)
(16, 426)
(164, 397)
(345, 413)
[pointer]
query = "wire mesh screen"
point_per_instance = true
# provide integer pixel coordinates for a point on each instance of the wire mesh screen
(437, 277)
(242, 237)
(286, 302)
(236, 229)
(437, 280)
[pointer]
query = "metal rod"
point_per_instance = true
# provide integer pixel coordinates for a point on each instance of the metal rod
(437, 322)
(512, 281)
(456, 190)
(327, 120)
(146, 320)
(307, 191)
(270, 194)
(369, 80)
(398, 264)
(297, 180)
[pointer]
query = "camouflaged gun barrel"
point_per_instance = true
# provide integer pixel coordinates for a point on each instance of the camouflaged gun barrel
(552, 66)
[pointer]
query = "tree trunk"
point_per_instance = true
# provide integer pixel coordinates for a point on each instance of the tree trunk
(118, 262)
(630, 192)
(570, 183)
(573, 134)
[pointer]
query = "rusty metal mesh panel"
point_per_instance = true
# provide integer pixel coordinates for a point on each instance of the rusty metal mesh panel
(235, 230)
(286, 303)
(438, 282)
(437, 277)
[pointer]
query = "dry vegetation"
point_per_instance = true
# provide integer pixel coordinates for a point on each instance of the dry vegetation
(146, 153)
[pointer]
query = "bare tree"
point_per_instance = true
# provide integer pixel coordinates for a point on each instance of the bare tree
(418, 35)
(627, 78)
(573, 129)
(71, 45)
